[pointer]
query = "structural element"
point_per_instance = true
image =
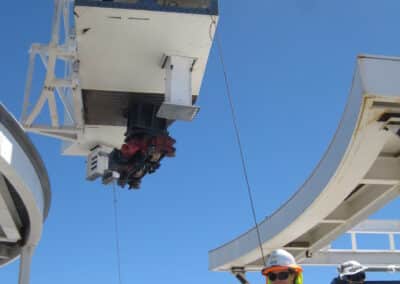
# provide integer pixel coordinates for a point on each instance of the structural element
(131, 68)
(240, 275)
(359, 173)
(24, 195)
(376, 259)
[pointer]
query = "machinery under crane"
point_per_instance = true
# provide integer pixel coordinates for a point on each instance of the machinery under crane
(131, 68)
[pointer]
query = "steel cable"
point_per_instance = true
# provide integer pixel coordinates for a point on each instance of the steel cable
(237, 134)
(115, 203)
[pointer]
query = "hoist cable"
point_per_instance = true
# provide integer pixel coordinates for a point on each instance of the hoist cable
(117, 246)
(237, 134)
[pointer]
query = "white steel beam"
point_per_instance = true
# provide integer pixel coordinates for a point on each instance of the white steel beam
(63, 133)
(25, 265)
(385, 170)
(36, 109)
(65, 87)
(372, 226)
(362, 207)
(328, 256)
(368, 258)
(392, 242)
(358, 174)
(28, 85)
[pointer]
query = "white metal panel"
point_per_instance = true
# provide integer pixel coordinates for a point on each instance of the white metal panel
(122, 49)
(5, 148)
(19, 164)
(110, 136)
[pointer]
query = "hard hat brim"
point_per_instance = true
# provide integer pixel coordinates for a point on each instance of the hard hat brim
(361, 269)
(278, 268)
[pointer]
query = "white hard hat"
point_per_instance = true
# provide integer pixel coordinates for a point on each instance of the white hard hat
(280, 259)
(350, 268)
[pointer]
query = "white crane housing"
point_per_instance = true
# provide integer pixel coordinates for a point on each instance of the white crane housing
(132, 67)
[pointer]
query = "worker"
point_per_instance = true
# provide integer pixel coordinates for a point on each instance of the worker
(350, 272)
(281, 268)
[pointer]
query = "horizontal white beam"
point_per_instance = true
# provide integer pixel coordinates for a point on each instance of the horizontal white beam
(377, 227)
(63, 133)
(62, 83)
(366, 257)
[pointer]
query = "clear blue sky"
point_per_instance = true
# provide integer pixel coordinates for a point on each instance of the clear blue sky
(290, 64)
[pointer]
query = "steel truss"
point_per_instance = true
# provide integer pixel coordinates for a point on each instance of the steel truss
(62, 47)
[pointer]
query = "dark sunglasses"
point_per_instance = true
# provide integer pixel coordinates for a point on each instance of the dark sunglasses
(281, 275)
(358, 277)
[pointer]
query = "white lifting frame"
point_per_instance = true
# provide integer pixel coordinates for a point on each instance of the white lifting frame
(375, 259)
(66, 88)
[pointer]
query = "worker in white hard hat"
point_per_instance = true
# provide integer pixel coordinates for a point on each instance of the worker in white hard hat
(281, 268)
(352, 272)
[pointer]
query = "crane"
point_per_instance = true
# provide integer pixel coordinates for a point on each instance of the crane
(131, 68)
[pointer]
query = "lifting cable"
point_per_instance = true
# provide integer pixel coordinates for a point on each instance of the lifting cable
(115, 204)
(237, 133)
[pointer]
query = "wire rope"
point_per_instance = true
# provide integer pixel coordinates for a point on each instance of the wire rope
(116, 231)
(237, 134)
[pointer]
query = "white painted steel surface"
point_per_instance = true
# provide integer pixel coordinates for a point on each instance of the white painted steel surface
(359, 173)
(371, 257)
(121, 49)
(24, 190)
(110, 50)
(366, 257)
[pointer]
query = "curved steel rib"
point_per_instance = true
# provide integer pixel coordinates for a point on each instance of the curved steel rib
(359, 173)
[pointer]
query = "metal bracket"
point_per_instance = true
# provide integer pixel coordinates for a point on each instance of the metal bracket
(178, 89)
(391, 122)
(110, 176)
(240, 274)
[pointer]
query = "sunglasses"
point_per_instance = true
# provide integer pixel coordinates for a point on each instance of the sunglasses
(280, 276)
(358, 277)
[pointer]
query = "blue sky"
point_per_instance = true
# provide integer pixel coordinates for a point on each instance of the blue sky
(290, 64)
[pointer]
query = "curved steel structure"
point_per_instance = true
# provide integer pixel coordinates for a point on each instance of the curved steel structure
(359, 173)
(24, 191)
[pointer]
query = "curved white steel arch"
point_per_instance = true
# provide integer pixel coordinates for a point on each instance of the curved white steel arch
(358, 174)
(24, 191)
